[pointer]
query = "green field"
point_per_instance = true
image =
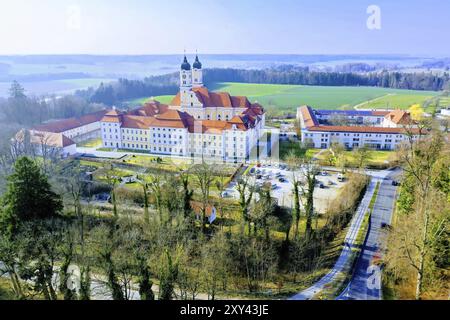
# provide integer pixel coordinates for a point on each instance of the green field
(286, 98)
(444, 102)
(282, 99)
(400, 100)
(141, 101)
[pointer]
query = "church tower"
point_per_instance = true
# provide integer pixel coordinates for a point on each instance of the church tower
(185, 82)
(197, 73)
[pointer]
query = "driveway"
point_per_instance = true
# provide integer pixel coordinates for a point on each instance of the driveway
(366, 280)
(346, 253)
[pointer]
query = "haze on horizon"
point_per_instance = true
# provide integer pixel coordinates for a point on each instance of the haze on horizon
(222, 27)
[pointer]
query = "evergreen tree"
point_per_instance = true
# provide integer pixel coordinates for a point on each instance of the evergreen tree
(29, 195)
(16, 91)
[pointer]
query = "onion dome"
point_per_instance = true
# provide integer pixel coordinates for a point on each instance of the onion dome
(185, 65)
(197, 64)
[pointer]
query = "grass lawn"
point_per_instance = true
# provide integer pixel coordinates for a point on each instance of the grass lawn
(93, 143)
(290, 146)
(166, 164)
(376, 158)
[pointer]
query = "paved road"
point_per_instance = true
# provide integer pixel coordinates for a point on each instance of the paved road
(366, 280)
(346, 252)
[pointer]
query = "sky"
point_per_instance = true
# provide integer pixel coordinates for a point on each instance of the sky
(417, 27)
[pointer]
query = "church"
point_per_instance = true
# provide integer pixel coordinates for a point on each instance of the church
(197, 123)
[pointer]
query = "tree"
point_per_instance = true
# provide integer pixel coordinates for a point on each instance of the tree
(145, 283)
(262, 211)
(309, 171)
(67, 253)
(168, 276)
(246, 192)
(40, 254)
(337, 151)
(422, 223)
(220, 185)
(104, 243)
(215, 264)
(145, 189)
(295, 164)
(29, 195)
(112, 177)
(156, 187)
(204, 174)
(16, 91)
(187, 195)
(9, 256)
(362, 156)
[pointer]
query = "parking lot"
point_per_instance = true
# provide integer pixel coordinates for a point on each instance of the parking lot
(279, 178)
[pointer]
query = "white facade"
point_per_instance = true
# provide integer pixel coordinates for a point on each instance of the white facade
(384, 132)
(351, 140)
(229, 130)
(85, 132)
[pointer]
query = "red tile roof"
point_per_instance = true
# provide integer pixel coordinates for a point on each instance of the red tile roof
(150, 109)
(155, 114)
(71, 123)
(379, 113)
(309, 118)
(399, 117)
(216, 99)
(312, 124)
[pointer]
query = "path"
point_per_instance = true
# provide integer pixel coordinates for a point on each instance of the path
(346, 253)
(366, 280)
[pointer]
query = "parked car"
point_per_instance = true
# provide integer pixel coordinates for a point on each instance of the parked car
(252, 170)
(321, 186)
(324, 173)
(282, 180)
(258, 177)
(340, 177)
(395, 183)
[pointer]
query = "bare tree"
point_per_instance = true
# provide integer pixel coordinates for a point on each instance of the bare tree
(309, 171)
(204, 174)
(246, 191)
(420, 157)
(295, 164)
(110, 175)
